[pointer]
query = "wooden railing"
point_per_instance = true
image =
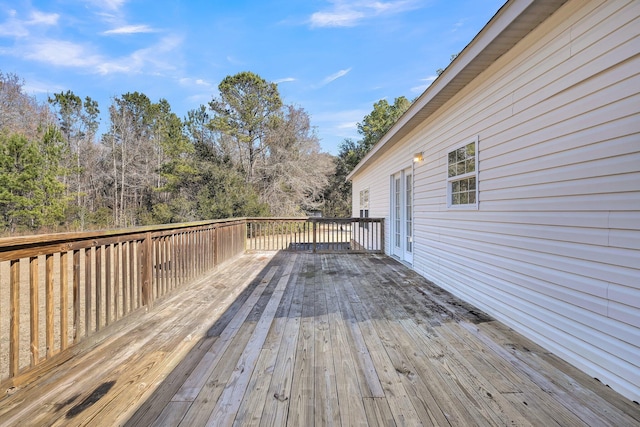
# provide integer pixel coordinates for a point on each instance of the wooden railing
(57, 290)
(316, 234)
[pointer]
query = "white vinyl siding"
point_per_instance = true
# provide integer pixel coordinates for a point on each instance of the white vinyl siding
(553, 249)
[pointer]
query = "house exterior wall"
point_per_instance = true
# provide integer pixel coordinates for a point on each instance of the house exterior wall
(553, 247)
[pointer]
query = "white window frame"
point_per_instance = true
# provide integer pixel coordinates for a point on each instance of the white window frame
(457, 178)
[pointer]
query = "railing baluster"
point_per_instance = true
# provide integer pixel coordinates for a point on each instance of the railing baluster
(108, 284)
(98, 262)
(14, 312)
(87, 292)
(49, 283)
(34, 309)
(64, 299)
(76, 295)
(117, 259)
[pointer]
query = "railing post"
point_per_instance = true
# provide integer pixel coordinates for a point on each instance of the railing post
(147, 269)
(314, 235)
(382, 235)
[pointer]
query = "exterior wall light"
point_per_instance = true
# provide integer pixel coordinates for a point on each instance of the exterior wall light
(417, 158)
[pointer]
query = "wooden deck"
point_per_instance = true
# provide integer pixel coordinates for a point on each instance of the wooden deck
(302, 340)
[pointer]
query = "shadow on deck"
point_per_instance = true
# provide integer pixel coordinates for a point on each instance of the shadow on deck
(314, 339)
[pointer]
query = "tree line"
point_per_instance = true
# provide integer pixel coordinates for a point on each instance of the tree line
(246, 153)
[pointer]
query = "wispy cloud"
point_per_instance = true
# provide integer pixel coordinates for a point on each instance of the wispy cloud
(108, 4)
(335, 76)
(130, 29)
(343, 123)
(15, 27)
(151, 59)
(284, 80)
(422, 87)
(234, 61)
(188, 81)
(63, 53)
(349, 13)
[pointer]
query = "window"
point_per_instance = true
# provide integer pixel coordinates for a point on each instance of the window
(364, 206)
(462, 176)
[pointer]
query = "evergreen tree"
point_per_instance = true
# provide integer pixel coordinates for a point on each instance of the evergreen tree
(31, 195)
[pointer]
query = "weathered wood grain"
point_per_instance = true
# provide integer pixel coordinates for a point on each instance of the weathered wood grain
(309, 339)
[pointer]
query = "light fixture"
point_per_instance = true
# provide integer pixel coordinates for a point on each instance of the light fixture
(417, 158)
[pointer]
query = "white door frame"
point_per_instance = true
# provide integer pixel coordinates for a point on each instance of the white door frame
(401, 215)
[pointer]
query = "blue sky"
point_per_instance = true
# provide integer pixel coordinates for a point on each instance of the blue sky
(334, 58)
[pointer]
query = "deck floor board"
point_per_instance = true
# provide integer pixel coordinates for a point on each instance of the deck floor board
(275, 339)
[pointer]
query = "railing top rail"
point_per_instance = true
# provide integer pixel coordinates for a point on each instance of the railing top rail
(313, 218)
(9, 243)
(12, 243)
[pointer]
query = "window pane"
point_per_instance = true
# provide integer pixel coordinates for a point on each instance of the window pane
(470, 165)
(452, 157)
(452, 170)
(460, 168)
(461, 154)
(455, 186)
(455, 199)
(472, 183)
(472, 197)
(471, 149)
(464, 199)
(464, 185)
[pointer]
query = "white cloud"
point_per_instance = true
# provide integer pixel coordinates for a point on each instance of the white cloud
(15, 27)
(234, 61)
(188, 81)
(108, 4)
(338, 18)
(38, 18)
(348, 125)
(150, 60)
(64, 53)
(343, 124)
(285, 80)
(335, 76)
(421, 88)
(61, 53)
(37, 87)
(130, 29)
(348, 13)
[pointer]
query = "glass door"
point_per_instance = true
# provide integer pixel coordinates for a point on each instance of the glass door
(402, 215)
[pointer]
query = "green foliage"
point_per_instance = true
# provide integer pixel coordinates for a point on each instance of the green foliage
(379, 121)
(247, 108)
(31, 196)
(372, 128)
(225, 194)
